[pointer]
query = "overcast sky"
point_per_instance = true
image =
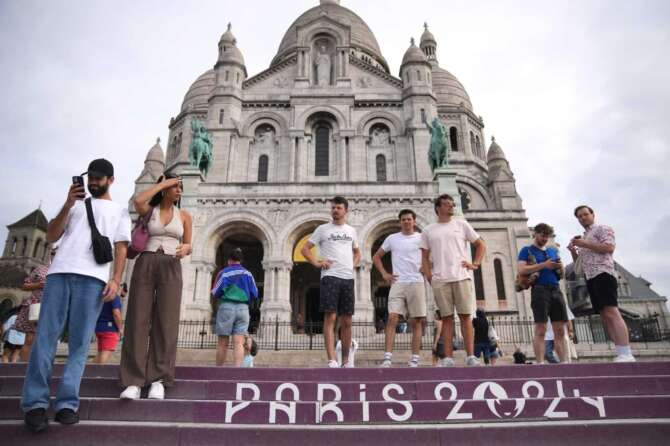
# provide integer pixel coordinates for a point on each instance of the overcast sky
(575, 92)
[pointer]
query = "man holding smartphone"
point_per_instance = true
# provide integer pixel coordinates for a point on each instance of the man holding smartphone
(596, 249)
(75, 290)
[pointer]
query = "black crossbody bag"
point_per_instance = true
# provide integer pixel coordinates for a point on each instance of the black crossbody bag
(102, 247)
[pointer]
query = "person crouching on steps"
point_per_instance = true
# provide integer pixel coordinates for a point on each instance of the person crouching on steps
(235, 288)
(155, 292)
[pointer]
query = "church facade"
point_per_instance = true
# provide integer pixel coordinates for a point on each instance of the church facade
(328, 117)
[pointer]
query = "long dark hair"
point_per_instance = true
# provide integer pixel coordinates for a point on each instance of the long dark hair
(157, 198)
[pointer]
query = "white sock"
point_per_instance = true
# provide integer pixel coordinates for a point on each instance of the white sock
(415, 358)
(623, 350)
(388, 355)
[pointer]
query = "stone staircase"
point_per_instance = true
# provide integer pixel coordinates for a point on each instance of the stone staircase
(605, 403)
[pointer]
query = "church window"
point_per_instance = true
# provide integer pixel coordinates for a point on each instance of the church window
(227, 75)
(423, 115)
(479, 281)
(418, 75)
(465, 199)
(14, 242)
(263, 169)
(237, 78)
(36, 248)
(453, 138)
(381, 167)
(472, 143)
(322, 151)
(221, 116)
(46, 251)
(24, 248)
(428, 77)
(478, 146)
(500, 281)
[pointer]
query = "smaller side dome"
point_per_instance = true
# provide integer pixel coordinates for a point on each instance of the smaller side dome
(198, 93)
(495, 152)
(229, 53)
(156, 153)
(427, 36)
(413, 55)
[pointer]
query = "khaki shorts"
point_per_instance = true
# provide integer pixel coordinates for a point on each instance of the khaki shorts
(458, 295)
(408, 299)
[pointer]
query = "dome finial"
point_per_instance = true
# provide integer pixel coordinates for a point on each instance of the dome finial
(412, 42)
(230, 26)
(493, 138)
(158, 140)
(425, 26)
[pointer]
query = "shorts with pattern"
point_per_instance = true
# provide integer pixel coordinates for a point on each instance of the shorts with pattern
(408, 299)
(337, 296)
(454, 295)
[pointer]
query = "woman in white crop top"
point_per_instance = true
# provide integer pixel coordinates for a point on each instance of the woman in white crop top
(154, 299)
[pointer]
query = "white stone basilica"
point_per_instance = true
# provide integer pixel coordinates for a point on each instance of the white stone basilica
(329, 118)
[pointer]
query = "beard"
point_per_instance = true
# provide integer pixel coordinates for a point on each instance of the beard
(98, 191)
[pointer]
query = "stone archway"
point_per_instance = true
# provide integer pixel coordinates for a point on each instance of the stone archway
(305, 279)
(379, 289)
(255, 247)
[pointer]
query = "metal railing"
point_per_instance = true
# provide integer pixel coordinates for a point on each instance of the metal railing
(512, 330)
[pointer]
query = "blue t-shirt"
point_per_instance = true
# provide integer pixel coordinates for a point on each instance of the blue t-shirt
(106, 319)
(547, 276)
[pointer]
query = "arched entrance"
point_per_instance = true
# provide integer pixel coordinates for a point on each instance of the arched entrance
(305, 314)
(379, 288)
(253, 252)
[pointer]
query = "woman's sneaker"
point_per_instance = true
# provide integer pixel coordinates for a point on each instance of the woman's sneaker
(447, 362)
(472, 361)
(333, 364)
(386, 363)
(131, 393)
(157, 391)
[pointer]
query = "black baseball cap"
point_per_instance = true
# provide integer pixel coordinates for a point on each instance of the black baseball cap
(100, 168)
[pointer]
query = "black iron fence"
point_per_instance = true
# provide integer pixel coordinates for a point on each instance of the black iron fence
(512, 330)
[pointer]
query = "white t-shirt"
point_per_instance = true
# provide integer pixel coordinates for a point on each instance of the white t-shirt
(448, 247)
(336, 243)
(405, 256)
(75, 251)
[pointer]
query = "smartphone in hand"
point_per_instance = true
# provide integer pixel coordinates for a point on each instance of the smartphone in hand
(78, 180)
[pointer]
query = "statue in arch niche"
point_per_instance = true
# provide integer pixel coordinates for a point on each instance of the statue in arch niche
(323, 65)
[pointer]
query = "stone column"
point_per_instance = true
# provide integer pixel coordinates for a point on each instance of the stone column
(276, 301)
(364, 307)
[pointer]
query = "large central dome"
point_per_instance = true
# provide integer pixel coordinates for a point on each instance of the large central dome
(361, 35)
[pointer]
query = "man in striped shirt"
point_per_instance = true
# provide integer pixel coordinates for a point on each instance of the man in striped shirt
(235, 288)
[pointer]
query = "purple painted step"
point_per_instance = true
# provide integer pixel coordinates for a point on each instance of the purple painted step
(610, 433)
(387, 412)
(378, 374)
(350, 391)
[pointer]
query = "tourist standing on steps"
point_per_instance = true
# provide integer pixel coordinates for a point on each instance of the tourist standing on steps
(74, 292)
(595, 251)
(109, 328)
(445, 244)
(235, 289)
(35, 284)
(482, 341)
(339, 255)
(546, 299)
(149, 349)
(408, 292)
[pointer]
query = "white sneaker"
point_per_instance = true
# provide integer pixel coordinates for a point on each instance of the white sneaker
(348, 365)
(472, 361)
(157, 391)
(624, 358)
(447, 362)
(333, 364)
(412, 363)
(131, 393)
(386, 363)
